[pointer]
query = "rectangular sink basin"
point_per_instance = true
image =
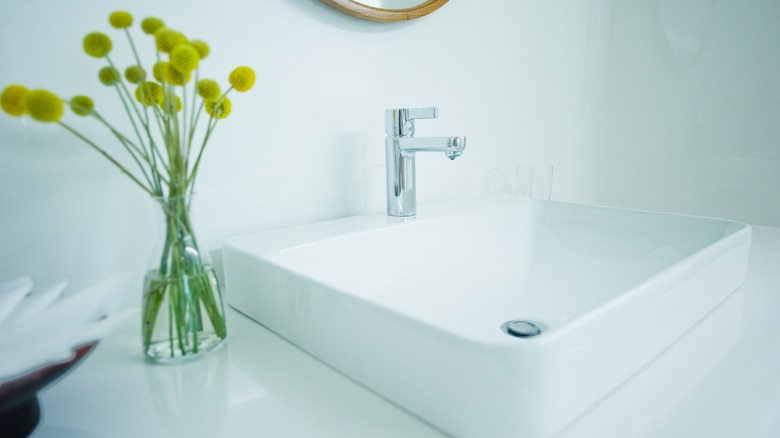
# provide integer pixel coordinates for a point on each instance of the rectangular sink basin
(416, 310)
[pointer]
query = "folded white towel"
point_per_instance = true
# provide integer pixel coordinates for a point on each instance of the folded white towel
(39, 328)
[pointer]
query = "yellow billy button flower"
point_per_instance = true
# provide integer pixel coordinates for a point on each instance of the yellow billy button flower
(109, 76)
(151, 25)
(14, 100)
(184, 58)
(44, 106)
(208, 89)
(120, 19)
(167, 39)
(202, 48)
(242, 78)
(173, 76)
(135, 74)
(168, 106)
(157, 70)
(149, 93)
(218, 109)
(81, 105)
(97, 45)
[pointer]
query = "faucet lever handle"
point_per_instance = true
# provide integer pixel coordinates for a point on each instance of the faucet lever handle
(400, 122)
(422, 113)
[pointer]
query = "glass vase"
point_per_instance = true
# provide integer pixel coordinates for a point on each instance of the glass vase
(183, 316)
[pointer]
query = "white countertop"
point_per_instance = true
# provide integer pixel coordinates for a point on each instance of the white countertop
(261, 385)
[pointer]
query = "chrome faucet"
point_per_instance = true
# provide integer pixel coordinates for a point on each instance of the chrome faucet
(400, 148)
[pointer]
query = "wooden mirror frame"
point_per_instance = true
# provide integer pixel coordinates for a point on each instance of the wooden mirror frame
(371, 13)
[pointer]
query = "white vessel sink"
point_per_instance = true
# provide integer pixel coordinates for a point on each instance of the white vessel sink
(414, 309)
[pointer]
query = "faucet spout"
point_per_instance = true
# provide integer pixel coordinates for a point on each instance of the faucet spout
(401, 147)
(451, 146)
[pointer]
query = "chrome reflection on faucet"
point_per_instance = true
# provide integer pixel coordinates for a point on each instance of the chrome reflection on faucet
(400, 148)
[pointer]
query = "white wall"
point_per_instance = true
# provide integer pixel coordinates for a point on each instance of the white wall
(306, 143)
(537, 82)
(686, 113)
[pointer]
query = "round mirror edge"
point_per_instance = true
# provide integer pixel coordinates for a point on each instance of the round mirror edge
(384, 15)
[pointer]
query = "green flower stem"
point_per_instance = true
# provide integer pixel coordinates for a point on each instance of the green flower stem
(155, 151)
(183, 147)
(122, 88)
(119, 89)
(212, 308)
(109, 157)
(195, 108)
(176, 160)
(156, 294)
(178, 307)
(197, 114)
(191, 178)
(121, 137)
(126, 91)
(132, 46)
(183, 128)
(169, 141)
(212, 125)
(134, 151)
(171, 326)
(143, 121)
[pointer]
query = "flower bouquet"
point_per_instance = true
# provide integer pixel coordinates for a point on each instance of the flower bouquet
(173, 115)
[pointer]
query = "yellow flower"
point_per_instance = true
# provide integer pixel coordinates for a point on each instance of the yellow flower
(173, 76)
(218, 109)
(149, 93)
(109, 76)
(120, 19)
(14, 100)
(208, 89)
(157, 70)
(242, 78)
(135, 74)
(167, 106)
(81, 105)
(44, 106)
(151, 25)
(202, 48)
(184, 58)
(97, 45)
(168, 39)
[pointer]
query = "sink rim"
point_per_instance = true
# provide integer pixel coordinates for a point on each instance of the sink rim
(276, 242)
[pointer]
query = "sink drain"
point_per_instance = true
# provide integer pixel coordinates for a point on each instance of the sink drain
(520, 328)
